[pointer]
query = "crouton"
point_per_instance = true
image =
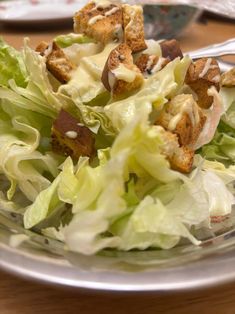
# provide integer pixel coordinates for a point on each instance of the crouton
(59, 65)
(150, 64)
(120, 75)
(42, 47)
(171, 49)
(180, 158)
(183, 117)
(56, 61)
(69, 138)
(134, 27)
(228, 78)
(101, 21)
(201, 75)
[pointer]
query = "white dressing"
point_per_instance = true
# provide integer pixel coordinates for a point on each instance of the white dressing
(86, 83)
(124, 74)
(76, 51)
(184, 104)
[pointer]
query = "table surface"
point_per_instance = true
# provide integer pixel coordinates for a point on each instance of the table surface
(18, 296)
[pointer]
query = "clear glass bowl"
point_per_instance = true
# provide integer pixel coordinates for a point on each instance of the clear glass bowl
(181, 268)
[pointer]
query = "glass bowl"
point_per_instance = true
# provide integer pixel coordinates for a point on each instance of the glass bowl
(181, 268)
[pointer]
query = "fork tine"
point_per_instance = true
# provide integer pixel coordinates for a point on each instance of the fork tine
(216, 50)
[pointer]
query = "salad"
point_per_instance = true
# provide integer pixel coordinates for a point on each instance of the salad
(113, 141)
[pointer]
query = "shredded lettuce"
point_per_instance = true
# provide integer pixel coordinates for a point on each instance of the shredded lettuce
(27, 107)
(46, 201)
(221, 148)
(12, 65)
(118, 214)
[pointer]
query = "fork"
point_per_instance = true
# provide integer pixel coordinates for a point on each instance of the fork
(217, 50)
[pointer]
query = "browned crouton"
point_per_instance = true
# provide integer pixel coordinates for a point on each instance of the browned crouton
(120, 74)
(42, 47)
(149, 64)
(134, 27)
(101, 22)
(171, 49)
(69, 138)
(56, 61)
(201, 75)
(228, 78)
(182, 159)
(59, 65)
(183, 117)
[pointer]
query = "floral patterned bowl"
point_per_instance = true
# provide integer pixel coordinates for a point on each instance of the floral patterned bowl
(167, 21)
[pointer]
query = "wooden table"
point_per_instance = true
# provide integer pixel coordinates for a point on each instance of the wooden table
(18, 296)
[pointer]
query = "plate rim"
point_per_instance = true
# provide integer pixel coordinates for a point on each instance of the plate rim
(75, 5)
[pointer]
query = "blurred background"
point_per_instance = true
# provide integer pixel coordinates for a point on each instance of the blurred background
(161, 21)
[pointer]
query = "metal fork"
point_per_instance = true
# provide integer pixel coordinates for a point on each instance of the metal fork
(216, 50)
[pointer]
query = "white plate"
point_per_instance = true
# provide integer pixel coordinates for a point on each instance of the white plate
(31, 11)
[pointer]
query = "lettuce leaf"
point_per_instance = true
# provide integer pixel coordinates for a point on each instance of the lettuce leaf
(12, 65)
(46, 202)
(20, 161)
(151, 225)
(221, 148)
(26, 113)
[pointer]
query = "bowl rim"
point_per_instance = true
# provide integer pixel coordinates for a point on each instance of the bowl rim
(202, 273)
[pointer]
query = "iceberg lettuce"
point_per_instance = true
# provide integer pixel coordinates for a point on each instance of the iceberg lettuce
(120, 214)
(27, 106)
(12, 65)
(20, 161)
(150, 225)
(46, 202)
(221, 148)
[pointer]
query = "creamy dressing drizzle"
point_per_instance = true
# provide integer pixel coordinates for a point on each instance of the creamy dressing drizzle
(216, 79)
(189, 107)
(207, 67)
(158, 65)
(112, 11)
(101, 4)
(48, 51)
(71, 134)
(60, 60)
(111, 80)
(99, 17)
(150, 62)
(124, 74)
(95, 19)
